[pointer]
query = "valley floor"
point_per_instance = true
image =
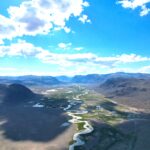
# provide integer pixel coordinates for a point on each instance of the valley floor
(116, 126)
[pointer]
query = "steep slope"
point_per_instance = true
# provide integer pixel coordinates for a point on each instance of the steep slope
(15, 94)
(131, 91)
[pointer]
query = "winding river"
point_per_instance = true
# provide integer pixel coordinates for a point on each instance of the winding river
(77, 119)
(87, 129)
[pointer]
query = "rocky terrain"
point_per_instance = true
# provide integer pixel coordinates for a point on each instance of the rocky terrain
(130, 91)
(111, 110)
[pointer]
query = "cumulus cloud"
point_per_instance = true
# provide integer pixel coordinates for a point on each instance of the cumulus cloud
(133, 4)
(72, 63)
(126, 58)
(7, 29)
(84, 19)
(34, 17)
(69, 46)
(23, 48)
(64, 46)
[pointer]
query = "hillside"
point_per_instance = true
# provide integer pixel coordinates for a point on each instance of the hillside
(131, 91)
(15, 93)
(101, 78)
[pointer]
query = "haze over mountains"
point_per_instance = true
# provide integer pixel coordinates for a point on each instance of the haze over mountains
(100, 78)
(30, 80)
(85, 79)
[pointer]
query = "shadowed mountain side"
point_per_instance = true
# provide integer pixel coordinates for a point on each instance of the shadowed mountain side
(129, 135)
(3, 89)
(15, 93)
(21, 123)
(140, 132)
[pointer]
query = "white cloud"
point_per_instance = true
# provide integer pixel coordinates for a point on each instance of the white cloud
(86, 4)
(7, 29)
(79, 48)
(64, 46)
(67, 30)
(133, 4)
(125, 58)
(68, 46)
(73, 63)
(84, 19)
(34, 17)
(144, 11)
(23, 48)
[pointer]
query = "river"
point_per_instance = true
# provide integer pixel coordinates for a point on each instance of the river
(78, 119)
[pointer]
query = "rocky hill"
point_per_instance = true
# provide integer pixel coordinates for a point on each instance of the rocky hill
(15, 94)
(130, 91)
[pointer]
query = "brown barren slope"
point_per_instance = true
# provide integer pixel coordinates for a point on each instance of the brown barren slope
(128, 91)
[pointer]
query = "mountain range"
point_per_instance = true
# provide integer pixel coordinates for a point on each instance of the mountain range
(127, 88)
(30, 80)
(84, 79)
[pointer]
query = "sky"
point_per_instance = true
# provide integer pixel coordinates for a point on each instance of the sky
(70, 37)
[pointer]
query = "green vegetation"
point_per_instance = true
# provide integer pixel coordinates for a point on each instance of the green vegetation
(108, 112)
(60, 95)
(109, 119)
(80, 126)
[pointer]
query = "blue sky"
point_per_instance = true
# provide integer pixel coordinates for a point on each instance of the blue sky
(68, 37)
